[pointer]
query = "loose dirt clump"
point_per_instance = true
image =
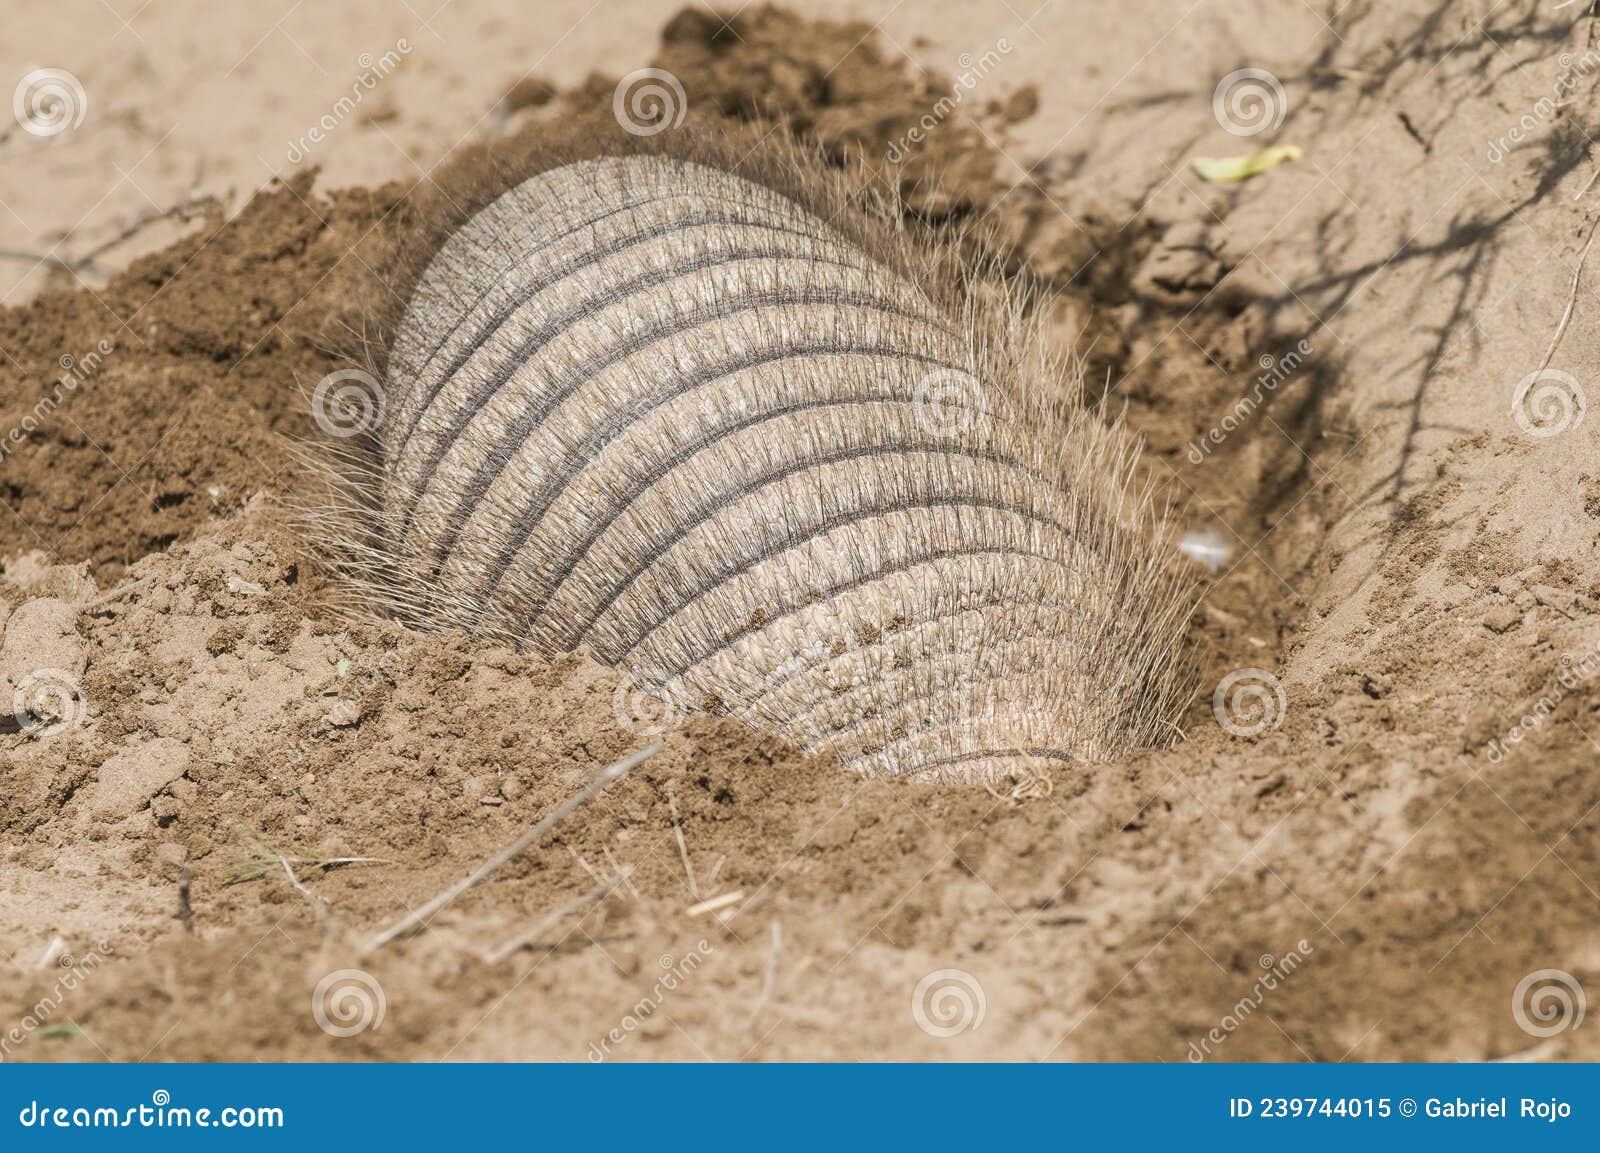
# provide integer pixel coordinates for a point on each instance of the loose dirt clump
(137, 413)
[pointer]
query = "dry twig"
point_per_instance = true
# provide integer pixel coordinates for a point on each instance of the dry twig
(117, 594)
(317, 903)
(183, 213)
(1572, 297)
(715, 903)
(595, 895)
(626, 873)
(716, 870)
(769, 987)
(482, 873)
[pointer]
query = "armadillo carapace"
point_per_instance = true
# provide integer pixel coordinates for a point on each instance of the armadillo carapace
(654, 408)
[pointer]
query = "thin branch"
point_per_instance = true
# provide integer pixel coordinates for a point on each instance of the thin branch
(117, 594)
(1572, 297)
(522, 940)
(184, 212)
(482, 873)
(616, 868)
(769, 986)
(50, 258)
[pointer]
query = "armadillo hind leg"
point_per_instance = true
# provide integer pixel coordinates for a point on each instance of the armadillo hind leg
(657, 410)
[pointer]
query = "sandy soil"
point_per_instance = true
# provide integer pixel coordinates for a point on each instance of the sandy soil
(1385, 870)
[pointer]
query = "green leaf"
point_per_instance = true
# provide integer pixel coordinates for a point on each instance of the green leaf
(1231, 169)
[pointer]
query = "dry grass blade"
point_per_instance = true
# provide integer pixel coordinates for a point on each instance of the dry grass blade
(714, 903)
(683, 846)
(254, 868)
(482, 873)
